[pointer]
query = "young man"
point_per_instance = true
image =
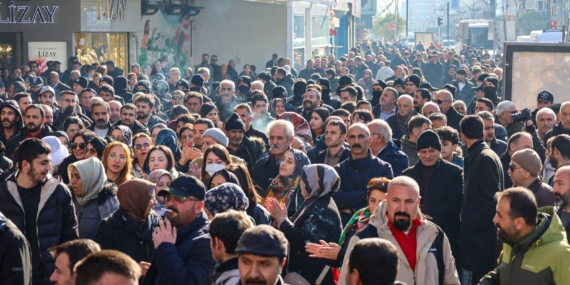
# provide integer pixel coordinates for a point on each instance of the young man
(449, 138)
(34, 119)
(40, 206)
(66, 255)
(128, 118)
(12, 121)
(107, 267)
(373, 261)
(145, 109)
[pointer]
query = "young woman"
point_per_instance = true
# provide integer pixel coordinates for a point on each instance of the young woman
(78, 152)
(122, 134)
(317, 122)
(162, 179)
(141, 146)
(94, 198)
(72, 125)
(210, 111)
(277, 107)
(361, 116)
(63, 138)
(227, 196)
(216, 157)
(154, 131)
(255, 209)
(186, 135)
(167, 137)
(117, 161)
(58, 154)
(160, 157)
(95, 148)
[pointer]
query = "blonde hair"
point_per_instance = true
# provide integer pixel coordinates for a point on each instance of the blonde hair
(125, 174)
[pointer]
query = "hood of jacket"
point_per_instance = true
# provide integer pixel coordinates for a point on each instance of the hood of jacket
(549, 229)
(121, 84)
(14, 106)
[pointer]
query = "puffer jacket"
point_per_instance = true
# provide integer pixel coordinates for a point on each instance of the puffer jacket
(541, 257)
(426, 271)
(397, 158)
(15, 253)
(56, 222)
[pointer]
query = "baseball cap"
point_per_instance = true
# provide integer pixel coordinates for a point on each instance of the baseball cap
(36, 81)
(46, 89)
(185, 186)
(545, 96)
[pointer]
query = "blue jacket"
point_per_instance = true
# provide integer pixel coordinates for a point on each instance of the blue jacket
(395, 157)
(354, 176)
(189, 261)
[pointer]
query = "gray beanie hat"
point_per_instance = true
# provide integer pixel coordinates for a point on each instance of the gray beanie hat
(218, 135)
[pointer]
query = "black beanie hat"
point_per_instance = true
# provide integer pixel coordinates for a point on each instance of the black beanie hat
(325, 82)
(429, 139)
(143, 83)
(246, 79)
(107, 79)
(120, 84)
(493, 80)
(450, 88)
(183, 83)
(414, 79)
(345, 80)
(197, 80)
(279, 92)
(482, 77)
(299, 88)
(264, 75)
(234, 123)
(82, 81)
(381, 83)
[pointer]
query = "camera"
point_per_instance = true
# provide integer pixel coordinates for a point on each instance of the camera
(523, 115)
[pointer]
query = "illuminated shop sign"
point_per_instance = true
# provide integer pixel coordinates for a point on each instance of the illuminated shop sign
(28, 15)
(112, 9)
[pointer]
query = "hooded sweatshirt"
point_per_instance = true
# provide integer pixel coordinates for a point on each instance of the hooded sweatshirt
(19, 125)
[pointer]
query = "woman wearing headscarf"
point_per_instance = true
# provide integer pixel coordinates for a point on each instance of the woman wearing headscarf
(162, 179)
(317, 219)
(63, 138)
(122, 134)
(276, 107)
(96, 147)
(286, 184)
(58, 153)
(221, 177)
(302, 127)
(130, 228)
(95, 199)
(167, 137)
(225, 197)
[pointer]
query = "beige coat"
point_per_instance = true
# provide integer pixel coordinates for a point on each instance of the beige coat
(426, 272)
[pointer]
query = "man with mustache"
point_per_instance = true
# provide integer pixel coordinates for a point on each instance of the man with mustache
(524, 170)
(35, 127)
(12, 121)
(356, 171)
(561, 191)
(39, 205)
(534, 247)
(128, 118)
(145, 110)
(182, 242)
(545, 120)
(262, 253)
(543, 100)
(399, 221)
(100, 113)
(312, 99)
(483, 177)
(559, 153)
(563, 126)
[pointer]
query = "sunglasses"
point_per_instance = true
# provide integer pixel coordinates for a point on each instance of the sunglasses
(91, 151)
(439, 102)
(214, 59)
(144, 145)
(177, 97)
(513, 168)
(169, 197)
(80, 145)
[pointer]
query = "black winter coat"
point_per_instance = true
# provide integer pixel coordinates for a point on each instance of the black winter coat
(15, 254)
(56, 222)
(395, 157)
(188, 261)
(433, 73)
(558, 129)
(119, 232)
(136, 127)
(453, 118)
(567, 228)
(393, 123)
(443, 197)
(321, 221)
(265, 170)
(17, 139)
(483, 177)
(321, 155)
(249, 150)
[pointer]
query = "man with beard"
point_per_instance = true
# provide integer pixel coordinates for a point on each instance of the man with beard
(128, 118)
(182, 243)
(397, 219)
(204, 63)
(382, 145)
(114, 111)
(12, 122)
(433, 70)
(563, 126)
(227, 100)
(24, 100)
(544, 99)
(399, 121)
(387, 106)
(145, 109)
(193, 101)
(377, 88)
(524, 171)
(421, 96)
(561, 191)
(449, 76)
(100, 114)
(483, 177)
(244, 87)
(38, 204)
(248, 149)
(262, 253)
(534, 249)
(356, 171)
(311, 100)
(67, 106)
(464, 87)
(35, 127)
(336, 151)
(107, 92)
(559, 152)
(518, 141)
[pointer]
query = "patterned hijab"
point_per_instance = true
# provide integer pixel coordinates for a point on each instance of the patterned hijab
(320, 180)
(283, 188)
(167, 137)
(93, 178)
(228, 196)
(302, 128)
(127, 134)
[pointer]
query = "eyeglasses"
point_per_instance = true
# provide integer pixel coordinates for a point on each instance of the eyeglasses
(80, 145)
(513, 168)
(439, 102)
(169, 197)
(120, 157)
(91, 151)
(177, 97)
(144, 145)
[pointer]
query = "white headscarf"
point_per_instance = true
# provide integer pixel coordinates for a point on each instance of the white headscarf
(58, 151)
(93, 178)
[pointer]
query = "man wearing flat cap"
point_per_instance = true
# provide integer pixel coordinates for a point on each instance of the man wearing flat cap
(464, 88)
(441, 187)
(182, 243)
(262, 253)
(524, 169)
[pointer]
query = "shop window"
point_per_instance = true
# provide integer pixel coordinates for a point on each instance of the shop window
(101, 47)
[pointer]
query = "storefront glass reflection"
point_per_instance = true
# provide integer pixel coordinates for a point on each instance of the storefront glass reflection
(102, 47)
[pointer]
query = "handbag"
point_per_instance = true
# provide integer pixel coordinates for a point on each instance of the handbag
(294, 278)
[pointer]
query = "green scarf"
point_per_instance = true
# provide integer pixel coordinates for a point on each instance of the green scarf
(359, 219)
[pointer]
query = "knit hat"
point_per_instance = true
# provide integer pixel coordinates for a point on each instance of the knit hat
(225, 197)
(197, 80)
(492, 80)
(399, 82)
(183, 83)
(234, 123)
(299, 88)
(121, 84)
(429, 139)
(529, 160)
(345, 80)
(218, 135)
(245, 79)
(325, 82)
(265, 76)
(107, 79)
(279, 92)
(381, 83)
(82, 81)
(414, 79)
(143, 83)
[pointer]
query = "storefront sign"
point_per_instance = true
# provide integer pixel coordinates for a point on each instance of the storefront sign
(42, 52)
(28, 14)
(112, 9)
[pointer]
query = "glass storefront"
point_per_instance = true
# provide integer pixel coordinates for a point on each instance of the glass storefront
(10, 49)
(102, 47)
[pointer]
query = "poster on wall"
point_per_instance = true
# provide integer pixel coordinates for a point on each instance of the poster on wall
(166, 39)
(42, 52)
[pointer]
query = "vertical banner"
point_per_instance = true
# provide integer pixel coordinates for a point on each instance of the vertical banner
(42, 52)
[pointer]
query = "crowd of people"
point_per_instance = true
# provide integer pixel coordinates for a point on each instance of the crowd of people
(388, 165)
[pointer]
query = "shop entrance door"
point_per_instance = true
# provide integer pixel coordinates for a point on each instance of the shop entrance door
(11, 50)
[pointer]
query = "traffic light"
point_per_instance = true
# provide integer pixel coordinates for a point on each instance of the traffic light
(439, 21)
(553, 25)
